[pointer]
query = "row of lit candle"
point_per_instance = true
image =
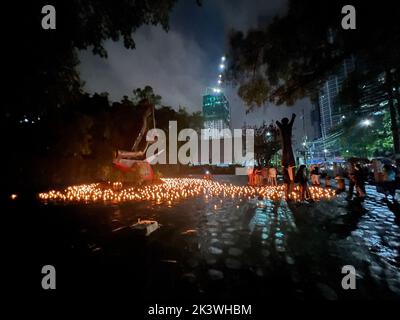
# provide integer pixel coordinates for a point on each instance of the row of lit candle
(175, 189)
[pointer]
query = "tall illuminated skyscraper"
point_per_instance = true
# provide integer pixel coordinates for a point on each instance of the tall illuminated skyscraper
(328, 94)
(216, 109)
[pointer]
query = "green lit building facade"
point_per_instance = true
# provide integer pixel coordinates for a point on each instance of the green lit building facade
(216, 110)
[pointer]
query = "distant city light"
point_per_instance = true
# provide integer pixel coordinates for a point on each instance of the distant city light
(366, 122)
(13, 196)
(220, 75)
(217, 90)
(221, 66)
(223, 58)
(219, 81)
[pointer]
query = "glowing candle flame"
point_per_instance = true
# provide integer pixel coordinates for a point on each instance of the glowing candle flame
(175, 189)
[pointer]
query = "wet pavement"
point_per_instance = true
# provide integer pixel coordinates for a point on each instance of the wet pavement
(227, 248)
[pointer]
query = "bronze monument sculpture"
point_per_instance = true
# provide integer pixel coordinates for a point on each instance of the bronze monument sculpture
(288, 161)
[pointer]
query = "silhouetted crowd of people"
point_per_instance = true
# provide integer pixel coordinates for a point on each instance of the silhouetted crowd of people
(384, 175)
(263, 176)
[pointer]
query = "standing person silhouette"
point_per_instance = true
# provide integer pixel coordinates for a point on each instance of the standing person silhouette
(272, 173)
(302, 180)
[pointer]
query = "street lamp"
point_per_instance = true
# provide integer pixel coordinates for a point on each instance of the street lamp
(366, 122)
(325, 152)
(221, 66)
(305, 151)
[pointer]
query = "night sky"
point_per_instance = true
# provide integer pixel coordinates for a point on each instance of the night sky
(181, 63)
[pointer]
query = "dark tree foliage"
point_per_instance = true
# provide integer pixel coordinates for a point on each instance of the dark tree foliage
(76, 144)
(288, 59)
(355, 139)
(298, 50)
(266, 142)
(146, 94)
(41, 64)
(68, 135)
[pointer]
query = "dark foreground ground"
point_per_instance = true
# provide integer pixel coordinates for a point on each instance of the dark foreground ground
(216, 249)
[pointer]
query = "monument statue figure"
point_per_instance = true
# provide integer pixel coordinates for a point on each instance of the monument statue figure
(285, 128)
(288, 162)
(134, 160)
